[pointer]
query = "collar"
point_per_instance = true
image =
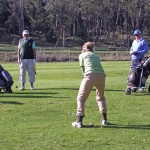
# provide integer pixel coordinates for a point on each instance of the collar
(25, 39)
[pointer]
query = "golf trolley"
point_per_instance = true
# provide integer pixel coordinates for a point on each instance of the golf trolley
(6, 80)
(138, 77)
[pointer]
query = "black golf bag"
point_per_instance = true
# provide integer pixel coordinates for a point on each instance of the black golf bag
(146, 64)
(138, 76)
(6, 80)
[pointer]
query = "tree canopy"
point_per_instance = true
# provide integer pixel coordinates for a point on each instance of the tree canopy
(96, 20)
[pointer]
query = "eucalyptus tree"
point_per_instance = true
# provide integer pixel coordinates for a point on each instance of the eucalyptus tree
(35, 16)
(7, 20)
(97, 20)
(61, 16)
(17, 11)
(98, 17)
(146, 21)
(138, 12)
(4, 13)
(87, 22)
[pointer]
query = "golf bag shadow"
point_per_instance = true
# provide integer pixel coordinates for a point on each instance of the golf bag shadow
(6, 80)
(138, 76)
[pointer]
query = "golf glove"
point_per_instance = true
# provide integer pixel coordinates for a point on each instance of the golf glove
(34, 61)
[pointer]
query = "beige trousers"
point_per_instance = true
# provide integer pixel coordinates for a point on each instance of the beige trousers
(88, 82)
(29, 66)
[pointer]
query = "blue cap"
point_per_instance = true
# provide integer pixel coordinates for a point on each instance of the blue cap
(136, 32)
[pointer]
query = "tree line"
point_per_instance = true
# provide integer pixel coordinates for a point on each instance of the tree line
(102, 21)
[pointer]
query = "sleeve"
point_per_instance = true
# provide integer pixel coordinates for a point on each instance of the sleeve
(131, 49)
(144, 48)
(81, 61)
(33, 45)
(19, 44)
(82, 70)
(145, 45)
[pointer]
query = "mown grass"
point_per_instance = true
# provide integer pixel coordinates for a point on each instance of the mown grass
(7, 48)
(41, 119)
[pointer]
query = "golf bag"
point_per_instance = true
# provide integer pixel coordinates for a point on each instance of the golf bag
(6, 80)
(138, 76)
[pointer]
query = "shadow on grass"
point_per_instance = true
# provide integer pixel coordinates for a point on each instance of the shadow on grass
(76, 89)
(11, 102)
(57, 89)
(141, 94)
(116, 90)
(115, 126)
(143, 127)
(32, 94)
(91, 126)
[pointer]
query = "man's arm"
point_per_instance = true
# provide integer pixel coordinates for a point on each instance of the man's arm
(19, 51)
(131, 49)
(145, 45)
(18, 55)
(34, 50)
(34, 53)
(132, 52)
(83, 70)
(144, 48)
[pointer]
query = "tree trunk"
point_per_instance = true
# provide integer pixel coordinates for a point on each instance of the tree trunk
(56, 44)
(63, 37)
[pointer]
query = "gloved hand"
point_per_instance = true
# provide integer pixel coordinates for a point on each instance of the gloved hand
(34, 61)
(135, 53)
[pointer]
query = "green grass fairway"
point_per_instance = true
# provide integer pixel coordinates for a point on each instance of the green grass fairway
(41, 119)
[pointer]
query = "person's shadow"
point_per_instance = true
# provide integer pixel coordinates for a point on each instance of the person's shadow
(11, 102)
(115, 126)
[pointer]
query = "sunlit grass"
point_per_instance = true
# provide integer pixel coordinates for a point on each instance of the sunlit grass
(41, 119)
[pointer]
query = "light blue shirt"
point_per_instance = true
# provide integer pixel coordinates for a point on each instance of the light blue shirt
(141, 47)
(25, 41)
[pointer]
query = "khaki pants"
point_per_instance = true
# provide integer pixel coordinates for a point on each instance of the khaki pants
(88, 82)
(29, 66)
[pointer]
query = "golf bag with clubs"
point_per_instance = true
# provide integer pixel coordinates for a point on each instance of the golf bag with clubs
(138, 76)
(6, 80)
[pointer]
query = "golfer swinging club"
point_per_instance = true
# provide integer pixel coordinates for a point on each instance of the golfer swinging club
(27, 59)
(93, 75)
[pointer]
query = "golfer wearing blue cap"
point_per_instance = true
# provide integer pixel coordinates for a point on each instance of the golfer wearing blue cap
(138, 49)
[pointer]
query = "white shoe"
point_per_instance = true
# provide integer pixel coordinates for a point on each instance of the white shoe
(22, 88)
(104, 122)
(32, 87)
(141, 90)
(77, 124)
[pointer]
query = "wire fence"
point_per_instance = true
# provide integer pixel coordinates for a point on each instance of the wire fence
(60, 54)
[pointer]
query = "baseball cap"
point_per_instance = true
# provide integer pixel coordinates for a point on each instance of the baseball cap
(25, 32)
(136, 32)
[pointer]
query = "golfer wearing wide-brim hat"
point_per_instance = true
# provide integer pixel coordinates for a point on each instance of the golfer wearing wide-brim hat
(26, 59)
(93, 75)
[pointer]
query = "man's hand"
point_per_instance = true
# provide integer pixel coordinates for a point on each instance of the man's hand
(34, 61)
(135, 53)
